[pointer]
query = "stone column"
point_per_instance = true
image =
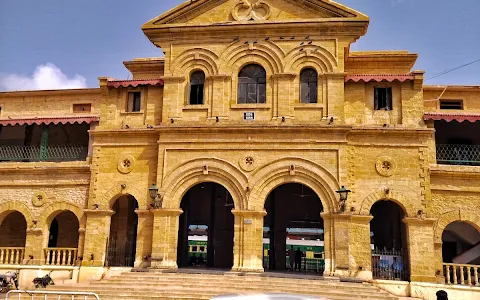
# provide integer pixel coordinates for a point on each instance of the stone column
(284, 95)
(81, 243)
(335, 106)
(328, 245)
(248, 245)
(420, 237)
(144, 237)
(439, 275)
(360, 251)
(165, 238)
(34, 254)
(97, 231)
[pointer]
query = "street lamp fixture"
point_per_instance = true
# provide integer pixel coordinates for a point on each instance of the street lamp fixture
(343, 192)
(155, 196)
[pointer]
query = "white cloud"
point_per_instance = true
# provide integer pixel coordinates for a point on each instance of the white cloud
(45, 77)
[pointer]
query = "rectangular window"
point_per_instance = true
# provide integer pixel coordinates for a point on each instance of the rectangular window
(383, 98)
(80, 108)
(134, 100)
(194, 249)
(202, 249)
(451, 104)
(196, 94)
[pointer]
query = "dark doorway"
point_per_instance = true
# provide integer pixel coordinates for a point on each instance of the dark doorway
(63, 239)
(293, 222)
(388, 235)
(461, 244)
(13, 233)
(206, 228)
(122, 241)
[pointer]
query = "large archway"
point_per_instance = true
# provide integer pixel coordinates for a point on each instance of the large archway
(13, 231)
(62, 247)
(206, 228)
(293, 230)
(388, 235)
(122, 241)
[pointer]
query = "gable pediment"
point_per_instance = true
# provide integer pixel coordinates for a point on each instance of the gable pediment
(244, 11)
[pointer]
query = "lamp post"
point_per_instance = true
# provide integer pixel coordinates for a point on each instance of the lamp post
(157, 199)
(343, 192)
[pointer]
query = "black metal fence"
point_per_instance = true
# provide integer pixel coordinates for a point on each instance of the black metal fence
(120, 253)
(390, 265)
(468, 155)
(311, 265)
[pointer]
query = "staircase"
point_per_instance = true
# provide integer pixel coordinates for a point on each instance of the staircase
(205, 285)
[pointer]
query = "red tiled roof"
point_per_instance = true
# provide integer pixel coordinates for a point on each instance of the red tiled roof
(133, 83)
(452, 117)
(53, 120)
(379, 77)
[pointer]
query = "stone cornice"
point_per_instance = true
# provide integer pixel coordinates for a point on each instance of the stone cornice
(166, 212)
(50, 92)
(249, 213)
(471, 172)
(45, 167)
(98, 212)
(420, 221)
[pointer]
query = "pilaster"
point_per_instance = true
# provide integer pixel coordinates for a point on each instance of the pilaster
(34, 247)
(248, 246)
(144, 237)
(421, 249)
(165, 238)
(97, 231)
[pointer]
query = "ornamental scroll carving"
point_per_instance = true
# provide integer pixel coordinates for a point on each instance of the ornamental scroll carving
(251, 10)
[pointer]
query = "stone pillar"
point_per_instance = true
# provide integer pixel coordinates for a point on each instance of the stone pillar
(360, 251)
(335, 106)
(34, 254)
(97, 231)
(347, 245)
(420, 237)
(165, 238)
(144, 237)
(81, 243)
(440, 276)
(284, 95)
(248, 245)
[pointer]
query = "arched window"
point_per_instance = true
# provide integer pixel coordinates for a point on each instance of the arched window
(197, 83)
(308, 86)
(252, 84)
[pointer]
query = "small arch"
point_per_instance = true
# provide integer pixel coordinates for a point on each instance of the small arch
(267, 54)
(252, 84)
(305, 172)
(124, 188)
(13, 229)
(196, 57)
(308, 86)
(317, 56)
(393, 196)
(54, 209)
(453, 216)
(460, 243)
(193, 172)
(11, 206)
(197, 87)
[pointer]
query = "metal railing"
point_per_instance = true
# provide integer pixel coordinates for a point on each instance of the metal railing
(60, 256)
(316, 265)
(55, 295)
(12, 255)
(121, 252)
(461, 274)
(53, 153)
(468, 155)
(390, 265)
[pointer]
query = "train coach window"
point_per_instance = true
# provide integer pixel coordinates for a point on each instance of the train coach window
(202, 249)
(194, 249)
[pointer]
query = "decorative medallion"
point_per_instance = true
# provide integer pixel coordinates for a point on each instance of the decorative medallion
(126, 164)
(39, 198)
(251, 10)
(386, 166)
(247, 163)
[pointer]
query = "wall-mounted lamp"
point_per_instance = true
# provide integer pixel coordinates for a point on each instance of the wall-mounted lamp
(157, 199)
(343, 192)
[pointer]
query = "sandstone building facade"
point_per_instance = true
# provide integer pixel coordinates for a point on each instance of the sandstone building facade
(255, 117)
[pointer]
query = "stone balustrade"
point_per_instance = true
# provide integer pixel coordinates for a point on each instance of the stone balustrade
(11, 255)
(461, 274)
(60, 256)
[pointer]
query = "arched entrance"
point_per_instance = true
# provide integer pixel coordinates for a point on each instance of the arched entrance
(206, 228)
(461, 244)
(122, 240)
(62, 248)
(13, 230)
(293, 230)
(388, 235)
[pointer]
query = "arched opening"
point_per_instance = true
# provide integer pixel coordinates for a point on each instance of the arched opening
(293, 230)
(197, 84)
(308, 86)
(13, 232)
(461, 244)
(388, 235)
(122, 241)
(252, 84)
(63, 239)
(206, 229)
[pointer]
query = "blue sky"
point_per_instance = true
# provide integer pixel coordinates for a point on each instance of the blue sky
(85, 39)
